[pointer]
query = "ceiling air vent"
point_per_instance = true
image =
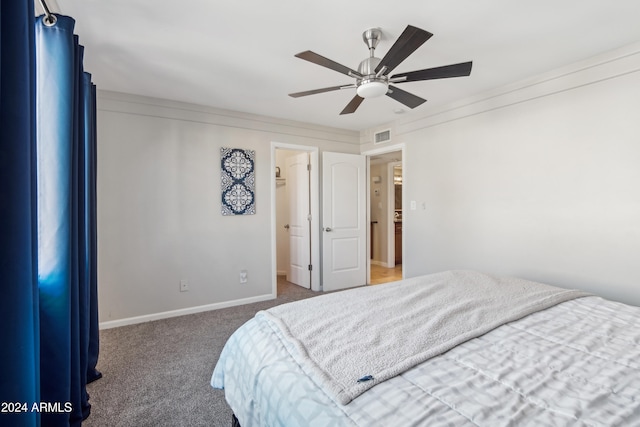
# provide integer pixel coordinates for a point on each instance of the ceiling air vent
(382, 136)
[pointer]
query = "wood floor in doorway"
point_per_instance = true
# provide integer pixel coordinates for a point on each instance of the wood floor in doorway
(381, 274)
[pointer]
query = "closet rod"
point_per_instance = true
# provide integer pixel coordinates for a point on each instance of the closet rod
(49, 19)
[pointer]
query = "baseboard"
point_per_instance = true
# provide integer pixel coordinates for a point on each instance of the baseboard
(382, 264)
(182, 312)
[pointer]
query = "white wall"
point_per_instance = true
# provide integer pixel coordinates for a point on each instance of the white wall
(539, 180)
(159, 217)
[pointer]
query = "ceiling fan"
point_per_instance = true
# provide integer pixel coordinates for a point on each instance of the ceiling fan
(372, 77)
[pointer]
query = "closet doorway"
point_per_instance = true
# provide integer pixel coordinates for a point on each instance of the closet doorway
(295, 216)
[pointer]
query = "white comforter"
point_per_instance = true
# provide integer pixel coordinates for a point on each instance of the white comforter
(349, 342)
(576, 363)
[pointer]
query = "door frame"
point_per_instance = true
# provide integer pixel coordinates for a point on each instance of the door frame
(374, 152)
(314, 200)
(391, 202)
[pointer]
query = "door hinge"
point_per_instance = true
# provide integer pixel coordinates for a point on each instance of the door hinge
(310, 267)
(309, 217)
(308, 166)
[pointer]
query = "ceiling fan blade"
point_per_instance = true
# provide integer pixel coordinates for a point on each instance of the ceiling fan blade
(307, 55)
(352, 105)
(410, 39)
(406, 98)
(455, 70)
(322, 90)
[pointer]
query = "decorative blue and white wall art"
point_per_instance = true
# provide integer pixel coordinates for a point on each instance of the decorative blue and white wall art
(238, 179)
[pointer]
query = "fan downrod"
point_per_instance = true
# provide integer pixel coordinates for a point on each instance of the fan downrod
(371, 38)
(367, 67)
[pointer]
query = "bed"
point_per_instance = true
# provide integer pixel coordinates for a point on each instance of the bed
(450, 349)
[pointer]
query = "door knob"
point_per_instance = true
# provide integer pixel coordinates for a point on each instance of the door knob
(327, 229)
(286, 226)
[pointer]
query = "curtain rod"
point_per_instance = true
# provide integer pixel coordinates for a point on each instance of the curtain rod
(50, 19)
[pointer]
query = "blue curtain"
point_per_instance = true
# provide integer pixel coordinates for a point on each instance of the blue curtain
(48, 219)
(19, 333)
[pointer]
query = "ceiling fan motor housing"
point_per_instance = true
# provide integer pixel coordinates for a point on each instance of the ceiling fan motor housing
(371, 85)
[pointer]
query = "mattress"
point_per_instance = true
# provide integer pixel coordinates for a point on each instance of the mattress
(576, 363)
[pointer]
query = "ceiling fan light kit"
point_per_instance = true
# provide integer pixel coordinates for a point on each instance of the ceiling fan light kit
(372, 88)
(372, 77)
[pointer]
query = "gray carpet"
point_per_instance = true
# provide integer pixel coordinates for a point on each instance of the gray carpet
(158, 373)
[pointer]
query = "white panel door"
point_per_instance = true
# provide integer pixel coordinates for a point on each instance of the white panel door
(299, 224)
(344, 221)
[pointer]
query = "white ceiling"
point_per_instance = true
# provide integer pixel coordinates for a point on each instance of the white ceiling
(239, 55)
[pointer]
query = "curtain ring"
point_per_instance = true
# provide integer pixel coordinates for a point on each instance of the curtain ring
(50, 20)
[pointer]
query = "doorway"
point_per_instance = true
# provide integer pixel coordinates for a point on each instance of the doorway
(386, 177)
(294, 224)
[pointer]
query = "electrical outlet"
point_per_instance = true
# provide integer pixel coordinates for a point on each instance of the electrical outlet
(184, 285)
(244, 276)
